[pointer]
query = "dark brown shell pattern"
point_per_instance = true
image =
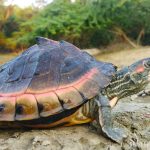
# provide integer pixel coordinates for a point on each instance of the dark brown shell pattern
(49, 78)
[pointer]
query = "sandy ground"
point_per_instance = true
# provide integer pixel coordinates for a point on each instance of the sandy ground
(132, 115)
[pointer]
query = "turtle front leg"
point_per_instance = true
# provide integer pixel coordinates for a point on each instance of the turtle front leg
(103, 122)
(113, 102)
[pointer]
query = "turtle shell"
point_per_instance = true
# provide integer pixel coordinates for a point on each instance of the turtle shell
(50, 78)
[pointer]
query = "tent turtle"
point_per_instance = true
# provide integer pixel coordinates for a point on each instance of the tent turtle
(55, 83)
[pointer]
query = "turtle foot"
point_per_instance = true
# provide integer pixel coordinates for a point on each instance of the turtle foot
(115, 134)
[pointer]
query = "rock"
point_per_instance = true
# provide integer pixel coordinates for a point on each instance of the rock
(133, 116)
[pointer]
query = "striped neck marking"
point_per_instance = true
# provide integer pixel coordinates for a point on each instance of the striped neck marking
(121, 86)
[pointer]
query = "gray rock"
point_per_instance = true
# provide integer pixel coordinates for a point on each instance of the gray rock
(133, 116)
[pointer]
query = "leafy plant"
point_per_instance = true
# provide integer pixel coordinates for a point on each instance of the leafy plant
(86, 23)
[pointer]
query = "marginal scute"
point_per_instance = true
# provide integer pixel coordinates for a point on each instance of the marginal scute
(49, 103)
(27, 106)
(70, 97)
(7, 112)
(88, 88)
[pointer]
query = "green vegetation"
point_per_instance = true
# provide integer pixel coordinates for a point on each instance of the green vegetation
(86, 23)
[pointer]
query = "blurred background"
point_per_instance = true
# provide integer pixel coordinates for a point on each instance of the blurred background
(116, 31)
(100, 24)
(85, 23)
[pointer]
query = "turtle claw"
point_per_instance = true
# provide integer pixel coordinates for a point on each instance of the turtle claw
(115, 134)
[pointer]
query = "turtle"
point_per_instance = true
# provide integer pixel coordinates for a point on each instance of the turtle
(54, 83)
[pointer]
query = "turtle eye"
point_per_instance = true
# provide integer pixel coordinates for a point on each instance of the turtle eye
(147, 64)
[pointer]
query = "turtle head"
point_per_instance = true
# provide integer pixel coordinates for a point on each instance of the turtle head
(140, 72)
(130, 80)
